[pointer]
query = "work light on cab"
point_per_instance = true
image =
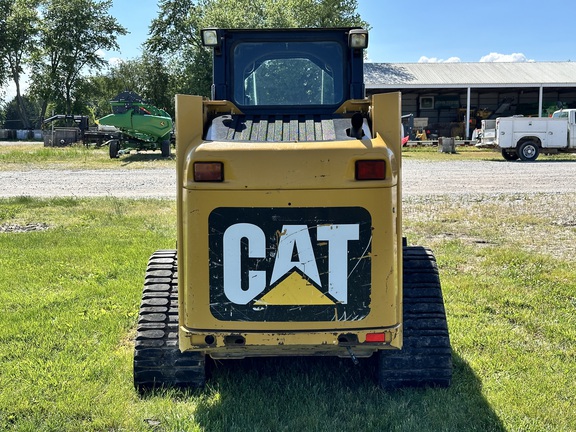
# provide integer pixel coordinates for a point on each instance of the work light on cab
(210, 37)
(370, 170)
(208, 172)
(358, 39)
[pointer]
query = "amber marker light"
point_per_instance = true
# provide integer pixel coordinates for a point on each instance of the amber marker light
(370, 170)
(208, 172)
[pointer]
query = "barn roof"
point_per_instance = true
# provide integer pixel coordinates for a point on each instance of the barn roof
(475, 75)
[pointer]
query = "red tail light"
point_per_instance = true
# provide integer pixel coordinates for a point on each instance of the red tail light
(208, 171)
(370, 170)
(375, 337)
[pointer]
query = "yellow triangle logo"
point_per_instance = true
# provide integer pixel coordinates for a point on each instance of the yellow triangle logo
(294, 290)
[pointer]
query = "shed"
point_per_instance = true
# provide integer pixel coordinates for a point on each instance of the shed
(454, 97)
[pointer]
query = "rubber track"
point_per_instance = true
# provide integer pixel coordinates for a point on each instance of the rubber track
(426, 356)
(158, 361)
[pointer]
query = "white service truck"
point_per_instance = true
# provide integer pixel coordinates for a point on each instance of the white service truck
(487, 134)
(527, 137)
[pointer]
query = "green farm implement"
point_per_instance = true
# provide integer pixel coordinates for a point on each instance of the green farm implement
(143, 126)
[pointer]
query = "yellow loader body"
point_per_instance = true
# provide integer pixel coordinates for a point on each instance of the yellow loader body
(289, 195)
(289, 218)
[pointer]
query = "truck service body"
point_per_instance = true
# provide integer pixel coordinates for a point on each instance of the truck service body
(527, 137)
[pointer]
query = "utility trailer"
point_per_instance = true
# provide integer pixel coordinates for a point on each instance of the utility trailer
(76, 130)
(289, 220)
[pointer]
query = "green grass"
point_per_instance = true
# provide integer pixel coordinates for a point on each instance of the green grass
(69, 296)
(36, 156)
(507, 263)
(470, 153)
(33, 156)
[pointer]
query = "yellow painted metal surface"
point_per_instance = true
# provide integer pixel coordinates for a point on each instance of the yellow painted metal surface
(262, 344)
(291, 177)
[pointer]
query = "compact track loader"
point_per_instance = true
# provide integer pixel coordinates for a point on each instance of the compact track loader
(289, 206)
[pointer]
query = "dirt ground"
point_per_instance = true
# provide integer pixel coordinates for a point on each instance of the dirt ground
(420, 178)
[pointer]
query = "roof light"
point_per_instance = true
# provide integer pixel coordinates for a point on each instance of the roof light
(370, 170)
(208, 171)
(358, 39)
(210, 37)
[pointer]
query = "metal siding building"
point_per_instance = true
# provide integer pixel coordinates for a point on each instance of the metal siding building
(454, 96)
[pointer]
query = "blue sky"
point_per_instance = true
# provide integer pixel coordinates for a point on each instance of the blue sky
(421, 30)
(416, 30)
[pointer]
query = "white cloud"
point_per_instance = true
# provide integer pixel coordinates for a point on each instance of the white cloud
(502, 58)
(425, 59)
(493, 57)
(114, 61)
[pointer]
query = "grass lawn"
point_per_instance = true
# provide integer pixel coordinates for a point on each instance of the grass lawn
(470, 153)
(69, 293)
(30, 156)
(35, 156)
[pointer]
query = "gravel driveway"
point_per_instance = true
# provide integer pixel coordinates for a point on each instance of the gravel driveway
(420, 178)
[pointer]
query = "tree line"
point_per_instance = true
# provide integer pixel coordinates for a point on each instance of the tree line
(57, 44)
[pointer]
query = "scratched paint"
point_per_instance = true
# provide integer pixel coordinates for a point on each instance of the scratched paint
(290, 264)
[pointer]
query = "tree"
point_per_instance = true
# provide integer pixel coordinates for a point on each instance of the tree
(4, 11)
(280, 13)
(174, 36)
(19, 31)
(73, 32)
(13, 118)
(148, 76)
(2, 114)
(157, 81)
(327, 13)
(175, 33)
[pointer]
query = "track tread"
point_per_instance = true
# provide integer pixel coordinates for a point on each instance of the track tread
(158, 361)
(426, 357)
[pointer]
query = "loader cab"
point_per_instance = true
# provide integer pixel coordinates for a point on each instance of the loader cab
(297, 71)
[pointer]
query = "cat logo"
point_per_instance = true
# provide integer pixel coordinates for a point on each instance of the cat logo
(273, 264)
